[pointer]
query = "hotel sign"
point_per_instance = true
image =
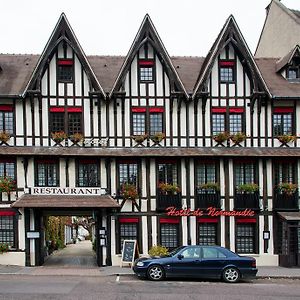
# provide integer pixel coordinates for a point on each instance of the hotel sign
(68, 191)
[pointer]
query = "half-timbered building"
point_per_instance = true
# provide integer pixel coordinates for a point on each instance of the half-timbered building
(206, 146)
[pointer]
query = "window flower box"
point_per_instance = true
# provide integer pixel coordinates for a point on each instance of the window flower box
(76, 138)
(129, 191)
(7, 185)
(286, 138)
(157, 137)
(168, 188)
(139, 138)
(4, 136)
(238, 138)
(221, 137)
(287, 188)
(58, 136)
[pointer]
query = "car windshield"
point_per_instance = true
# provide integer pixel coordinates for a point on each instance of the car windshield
(175, 251)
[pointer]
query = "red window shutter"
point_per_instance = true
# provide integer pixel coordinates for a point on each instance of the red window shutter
(245, 220)
(128, 220)
(285, 110)
(236, 110)
(146, 63)
(169, 221)
(7, 213)
(6, 107)
(138, 109)
(156, 109)
(65, 62)
(208, 220)
(57, 109)
(223, 63)
(74, 109)
(218, 110)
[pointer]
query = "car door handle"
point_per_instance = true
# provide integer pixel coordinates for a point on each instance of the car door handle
(197, 261)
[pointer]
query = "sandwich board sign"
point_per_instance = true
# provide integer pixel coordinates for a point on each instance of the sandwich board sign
(130, 251)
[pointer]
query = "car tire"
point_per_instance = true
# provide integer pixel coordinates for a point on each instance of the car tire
(231, 275)
(156, 273)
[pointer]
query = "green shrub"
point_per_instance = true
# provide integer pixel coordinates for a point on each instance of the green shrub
(158, 251)
(3, 248)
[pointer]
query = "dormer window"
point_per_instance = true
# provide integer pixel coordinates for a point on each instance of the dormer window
(146, 68)
(293, 71)
(65, 70)
(226, 71)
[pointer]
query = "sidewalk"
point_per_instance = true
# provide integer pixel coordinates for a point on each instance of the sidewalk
(263, 272)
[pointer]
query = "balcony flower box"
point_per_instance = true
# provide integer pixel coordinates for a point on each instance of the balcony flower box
(164, 201)
(247, 196)
(287, 188)
(168, 188)
(7, 185)
(129, 192)
(286, 200)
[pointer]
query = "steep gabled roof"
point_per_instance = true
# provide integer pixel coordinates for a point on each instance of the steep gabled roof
(62, 32)
(148, 33)
(287, 58)
(230, 33)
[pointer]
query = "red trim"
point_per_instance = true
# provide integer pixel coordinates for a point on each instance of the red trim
(283, 110)
(65, 62)
(7, 213)
(138, 109)
(74, 109)
(7, 160)
(127, 161)
(218, 110)
(168, 221)
(47, 161)
(87, 161)
(244, 161)
(208, 220)
(223, 63)
(128, 220)
(166, 161)
(6, 108)
(247, 220)
(57, 109)
(156, 109)
(236, 110)
(146, 63)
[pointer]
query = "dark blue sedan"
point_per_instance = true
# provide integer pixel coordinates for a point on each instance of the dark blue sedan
(198, 262)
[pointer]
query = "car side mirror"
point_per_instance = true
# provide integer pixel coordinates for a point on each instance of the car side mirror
(180, 256)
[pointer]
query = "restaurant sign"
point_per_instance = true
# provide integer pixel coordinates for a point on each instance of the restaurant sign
(210, 211)
(71, 191)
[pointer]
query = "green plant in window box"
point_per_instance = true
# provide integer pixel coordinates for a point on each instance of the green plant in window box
(221, 137)
(248, 188)
(76, 137)
(7, 184)
(4, 248)
(286, 138)
(238, 137)
(158, 137)
(58, 136)
(168, 188)
(287, 188)
(129, 191)
(209, 186)
(140, 138)
(4, 136)
(158, 251)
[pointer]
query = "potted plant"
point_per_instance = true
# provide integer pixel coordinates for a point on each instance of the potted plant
(158, 137)
(286, 138)
(4, 248)
(140, 138)
(76, 137)
(168, 188)
(129, 191)
(210, 186)
(4, 136)
(238, 137)
(248, 188)
(58, 136)
(158, 251)
(221, 137)
(7, 184)
(287, 188)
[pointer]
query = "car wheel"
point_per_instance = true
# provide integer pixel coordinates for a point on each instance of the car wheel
(231, 275)
(156, 272)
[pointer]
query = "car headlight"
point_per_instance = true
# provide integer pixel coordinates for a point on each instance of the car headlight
(139, 263)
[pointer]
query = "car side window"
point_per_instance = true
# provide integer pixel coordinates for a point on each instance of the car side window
(212, 253)
(192, 252)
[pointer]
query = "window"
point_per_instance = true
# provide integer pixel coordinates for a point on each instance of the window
(293, 74)
(87, 173)
(284, 172)
(7, 228)
(293, 71)
(147, 120)
(226, 69)
(65, 70)
(227, 120)
(212, 253)
(245, 238)
(167, 173)
(191, 253)
(129, 228)
(7, 169)
(244, 173)
(128, 173)
(208, 234)
(169, 233)
(7, 118)
(282, 121)
(205, 172)
(146, 68)
(47, 173)
(68, 120)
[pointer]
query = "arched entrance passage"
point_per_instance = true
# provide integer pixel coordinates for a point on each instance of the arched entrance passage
(35, 208)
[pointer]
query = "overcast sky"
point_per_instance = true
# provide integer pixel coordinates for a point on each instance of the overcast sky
(186, 27)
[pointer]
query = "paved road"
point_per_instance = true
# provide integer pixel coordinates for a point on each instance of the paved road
(76, 255)
(129, 288)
